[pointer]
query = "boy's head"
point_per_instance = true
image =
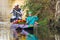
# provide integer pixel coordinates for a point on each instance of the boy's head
(30, 13)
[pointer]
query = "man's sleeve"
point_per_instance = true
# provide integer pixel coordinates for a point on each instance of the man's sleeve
(21, 12)
(11, 11)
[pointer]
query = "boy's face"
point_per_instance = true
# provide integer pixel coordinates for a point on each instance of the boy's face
(30, 15)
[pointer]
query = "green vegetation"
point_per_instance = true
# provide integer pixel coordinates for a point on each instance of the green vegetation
(46, 10)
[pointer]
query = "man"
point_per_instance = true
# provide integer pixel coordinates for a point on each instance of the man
(17, 13)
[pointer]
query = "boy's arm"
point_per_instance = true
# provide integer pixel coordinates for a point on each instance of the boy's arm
(36, 23)
(26, 20)
(36, 20)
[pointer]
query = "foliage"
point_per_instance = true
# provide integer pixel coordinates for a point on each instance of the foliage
(47, 10)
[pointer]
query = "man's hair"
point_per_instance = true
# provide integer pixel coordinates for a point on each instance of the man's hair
(16, 5)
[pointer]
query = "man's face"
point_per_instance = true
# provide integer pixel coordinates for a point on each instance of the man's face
(17, 7)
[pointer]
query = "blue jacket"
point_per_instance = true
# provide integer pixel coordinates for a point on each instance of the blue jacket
(31, 20)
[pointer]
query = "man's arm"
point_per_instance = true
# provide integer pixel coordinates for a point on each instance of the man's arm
(11, 11)
(21, 12)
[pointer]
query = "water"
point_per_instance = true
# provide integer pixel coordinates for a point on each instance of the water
(4, 31)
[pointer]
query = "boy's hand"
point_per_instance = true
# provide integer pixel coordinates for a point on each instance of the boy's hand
(36, 23)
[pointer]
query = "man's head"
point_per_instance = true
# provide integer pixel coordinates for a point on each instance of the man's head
(16, 6)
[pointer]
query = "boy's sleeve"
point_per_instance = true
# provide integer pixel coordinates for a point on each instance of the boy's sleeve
(36, 18)
(27, 20)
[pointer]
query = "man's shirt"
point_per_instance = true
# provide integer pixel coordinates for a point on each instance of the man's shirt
(15, 13)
